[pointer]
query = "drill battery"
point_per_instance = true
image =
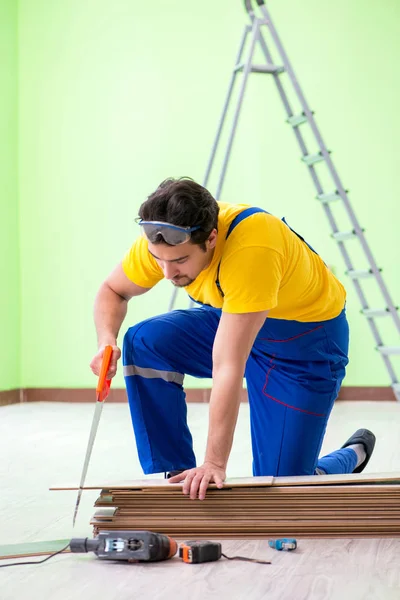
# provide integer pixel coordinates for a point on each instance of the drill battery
(200, 552)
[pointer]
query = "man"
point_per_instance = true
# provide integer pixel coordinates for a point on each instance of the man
(269, 310)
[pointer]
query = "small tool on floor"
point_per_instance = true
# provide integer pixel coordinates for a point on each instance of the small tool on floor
(199, 552)
(102, 390)
(203, 551)
(130, 546)
(288, 544)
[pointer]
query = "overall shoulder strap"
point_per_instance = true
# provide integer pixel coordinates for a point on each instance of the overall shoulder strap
(238, 219)
(241, 216)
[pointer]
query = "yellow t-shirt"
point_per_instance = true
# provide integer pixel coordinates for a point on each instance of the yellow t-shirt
(263, 266)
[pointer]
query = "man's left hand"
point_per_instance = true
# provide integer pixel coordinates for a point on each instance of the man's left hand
(196, 480)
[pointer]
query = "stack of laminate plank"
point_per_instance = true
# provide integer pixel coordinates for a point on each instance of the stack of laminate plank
(258, 507)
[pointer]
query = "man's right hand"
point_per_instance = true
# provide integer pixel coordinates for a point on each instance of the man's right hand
(95, 365)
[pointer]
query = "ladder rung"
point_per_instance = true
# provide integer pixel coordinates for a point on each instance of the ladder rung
(344, 235)
(389, 349)
(297, 120)
(238, 67)
(330, 197)
(312, 159)
(354, 274)
(375, 312)
(271, 69)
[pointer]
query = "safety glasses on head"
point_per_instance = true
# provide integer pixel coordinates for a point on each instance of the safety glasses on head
(172, 234)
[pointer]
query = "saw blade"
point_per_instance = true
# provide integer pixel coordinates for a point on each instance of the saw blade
(95, 423)
(102, 391)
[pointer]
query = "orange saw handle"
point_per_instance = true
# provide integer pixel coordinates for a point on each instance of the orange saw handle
(103, 385)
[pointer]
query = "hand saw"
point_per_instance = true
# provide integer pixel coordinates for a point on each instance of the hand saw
(102, 390)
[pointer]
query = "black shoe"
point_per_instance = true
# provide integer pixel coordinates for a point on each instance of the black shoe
(367, 439)
(172, 474)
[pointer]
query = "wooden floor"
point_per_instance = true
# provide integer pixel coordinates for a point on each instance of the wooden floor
(43, 444)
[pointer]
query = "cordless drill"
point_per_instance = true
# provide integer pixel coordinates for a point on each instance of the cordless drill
(131, 546)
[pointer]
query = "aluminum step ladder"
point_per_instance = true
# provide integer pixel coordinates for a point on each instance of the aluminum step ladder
(254, 37)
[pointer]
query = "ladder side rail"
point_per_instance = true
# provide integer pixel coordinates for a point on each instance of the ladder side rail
(331, 167)
(327, 209)
(246, 31)
(246, 71)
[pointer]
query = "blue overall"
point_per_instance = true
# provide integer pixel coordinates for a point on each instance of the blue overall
(293, 374)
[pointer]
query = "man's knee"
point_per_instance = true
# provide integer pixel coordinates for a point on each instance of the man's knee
(154, 335)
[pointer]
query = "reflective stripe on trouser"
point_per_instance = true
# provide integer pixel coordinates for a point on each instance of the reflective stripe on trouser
(153, 373)
(293, 374)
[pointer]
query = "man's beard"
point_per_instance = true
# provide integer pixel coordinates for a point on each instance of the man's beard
(182, 281)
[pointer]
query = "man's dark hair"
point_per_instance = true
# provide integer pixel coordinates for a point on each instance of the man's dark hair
(185, 203)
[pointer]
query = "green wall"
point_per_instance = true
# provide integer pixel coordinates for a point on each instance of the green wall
(9, 245)
(114, 97)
